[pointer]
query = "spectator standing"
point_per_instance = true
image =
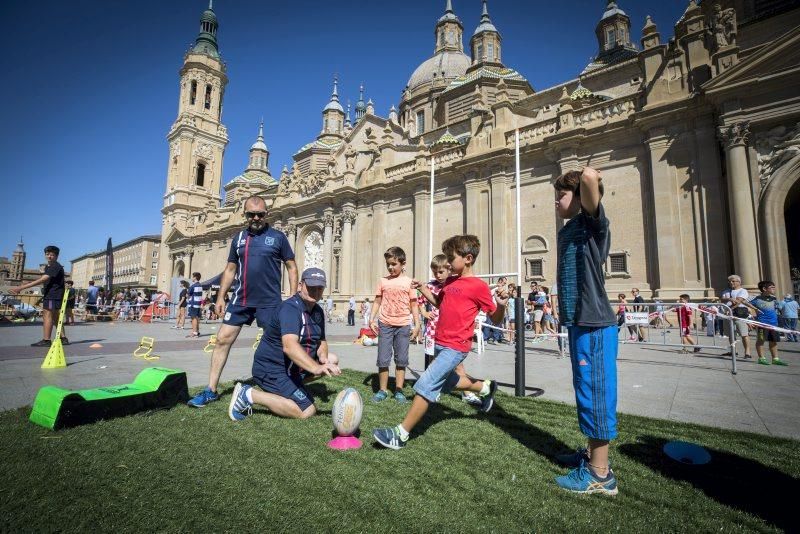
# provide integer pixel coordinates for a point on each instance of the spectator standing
(788, 308)
(70, 317)
(195, 304)
(183, 301)
(53, 293)
(736, 297)
(351, 312)
(91, 299)
(638, 301)
(765, 306)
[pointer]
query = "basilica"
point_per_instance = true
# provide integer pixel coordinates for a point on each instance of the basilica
(695, 128)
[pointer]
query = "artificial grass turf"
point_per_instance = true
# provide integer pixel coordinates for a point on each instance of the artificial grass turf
(190, 469)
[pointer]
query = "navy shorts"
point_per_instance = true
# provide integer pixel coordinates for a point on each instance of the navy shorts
(240, 315)
(193, 312)
(286, 386)
(766, 335)
(52, 304)
(593, 352)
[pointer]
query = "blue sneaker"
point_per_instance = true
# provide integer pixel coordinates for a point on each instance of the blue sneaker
(582, 480)
(574, 459)
(240, 407)
(203, 398)
(400, 397)
(389, 438)
(380, 396)
(487, 401)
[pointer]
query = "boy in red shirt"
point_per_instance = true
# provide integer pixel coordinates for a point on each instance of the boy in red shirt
(685, 323)
(461, 298)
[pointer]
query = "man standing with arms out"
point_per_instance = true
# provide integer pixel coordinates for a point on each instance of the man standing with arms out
(254, 270)
(351, 312)
(52, 293)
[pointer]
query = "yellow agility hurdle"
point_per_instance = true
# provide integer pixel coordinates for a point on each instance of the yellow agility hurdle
(258, 338)
(145, 349)
(212, 342)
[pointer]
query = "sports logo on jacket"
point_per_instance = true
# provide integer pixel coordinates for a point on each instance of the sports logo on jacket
(269, 241)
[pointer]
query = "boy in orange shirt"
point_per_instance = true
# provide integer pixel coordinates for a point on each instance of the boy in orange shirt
(395, 304)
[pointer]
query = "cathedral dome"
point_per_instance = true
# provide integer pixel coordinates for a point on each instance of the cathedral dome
(447, 64)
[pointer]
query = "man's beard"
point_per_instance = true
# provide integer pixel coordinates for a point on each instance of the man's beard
(257, 226)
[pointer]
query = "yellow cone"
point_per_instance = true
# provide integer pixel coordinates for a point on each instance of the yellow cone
(55, 358)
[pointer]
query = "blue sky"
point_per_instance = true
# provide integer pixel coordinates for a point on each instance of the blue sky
(90, 90)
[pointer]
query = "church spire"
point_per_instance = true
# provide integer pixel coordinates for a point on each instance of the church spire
(334, 101)
(206, 42)
(449, 30)
(361, 106)
(485, 42)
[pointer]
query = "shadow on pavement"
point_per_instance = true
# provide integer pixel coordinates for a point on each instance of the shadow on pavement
(731, 480)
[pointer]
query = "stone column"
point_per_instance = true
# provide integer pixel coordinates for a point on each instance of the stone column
(347, 254)
(503, 230)
(422, 215)
(477, 220)
(379, 244)
(668, 280)
(740, 203)
(291, 234)
(327, 251)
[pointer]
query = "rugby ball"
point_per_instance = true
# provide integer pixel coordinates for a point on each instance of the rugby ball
(347, 410)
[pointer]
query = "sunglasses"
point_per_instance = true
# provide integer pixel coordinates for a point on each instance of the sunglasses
(254, 214)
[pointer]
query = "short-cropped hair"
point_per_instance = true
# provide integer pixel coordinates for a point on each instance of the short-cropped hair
(395, 252)
(196, 275)
(571, 181)
(462, 245)
(764, 284)
(52, 248)
(438, 261)
(685, 296)
(184, 283)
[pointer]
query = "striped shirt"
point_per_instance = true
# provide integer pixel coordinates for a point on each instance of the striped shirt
(195, 295)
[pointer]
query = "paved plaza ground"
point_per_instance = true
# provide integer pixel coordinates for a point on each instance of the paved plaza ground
(654, 381)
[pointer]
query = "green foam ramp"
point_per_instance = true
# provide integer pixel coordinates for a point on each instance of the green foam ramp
(154, 388)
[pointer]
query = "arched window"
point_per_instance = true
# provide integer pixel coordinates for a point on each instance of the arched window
(208, 97)
(479, 52)
(201, 174)
(490, 52)
(193, 97)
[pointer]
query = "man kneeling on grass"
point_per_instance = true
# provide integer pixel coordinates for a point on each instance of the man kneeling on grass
(292, 352)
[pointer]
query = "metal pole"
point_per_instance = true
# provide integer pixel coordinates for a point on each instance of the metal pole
(430, 222)
(519, 358)
(519, 307)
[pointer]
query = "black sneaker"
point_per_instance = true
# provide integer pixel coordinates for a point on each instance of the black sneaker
(42, 343)
(487, 401)
(64, 341)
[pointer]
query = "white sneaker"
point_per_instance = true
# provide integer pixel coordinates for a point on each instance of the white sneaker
(471, 398)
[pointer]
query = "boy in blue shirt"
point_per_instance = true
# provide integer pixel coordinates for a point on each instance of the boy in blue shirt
(766, 308)
(583, 245)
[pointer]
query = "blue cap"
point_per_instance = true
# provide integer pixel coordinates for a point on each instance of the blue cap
(314, 277)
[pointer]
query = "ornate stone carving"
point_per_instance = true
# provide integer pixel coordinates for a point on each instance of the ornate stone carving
(350, 158)
(735, 134)
(331, 166)
(327, 219)
(775, 148)
(289, 229)
(174, 149)
(312, 246)
(204, 150)
(349, 216)
(723, 26)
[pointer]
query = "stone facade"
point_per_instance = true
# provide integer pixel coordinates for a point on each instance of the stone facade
(13, 272)
(696, 137)
(135, 265)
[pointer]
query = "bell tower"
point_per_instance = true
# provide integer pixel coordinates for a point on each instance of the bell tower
(197, 138)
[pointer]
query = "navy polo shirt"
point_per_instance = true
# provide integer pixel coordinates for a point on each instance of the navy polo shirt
(291, 317)
(259, 261)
